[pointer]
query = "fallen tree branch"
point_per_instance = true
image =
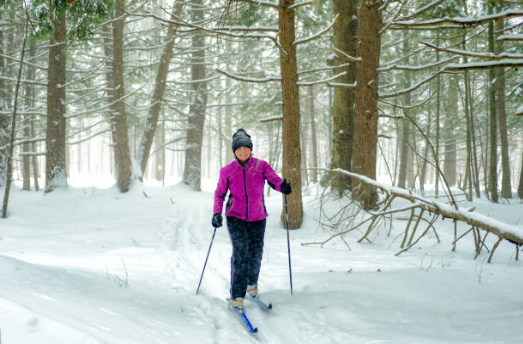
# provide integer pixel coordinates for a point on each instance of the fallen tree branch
(503, 231)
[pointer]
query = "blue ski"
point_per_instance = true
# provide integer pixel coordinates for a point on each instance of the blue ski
(245, 321)
(263, 305)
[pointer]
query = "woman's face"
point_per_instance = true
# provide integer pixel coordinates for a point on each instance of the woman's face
(243, 153)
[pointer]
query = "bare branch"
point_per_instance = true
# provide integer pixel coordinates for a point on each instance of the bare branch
(334, 77)
(410, 89)
(423, 9)
(316, 35)
(384, 28)
(242, 78)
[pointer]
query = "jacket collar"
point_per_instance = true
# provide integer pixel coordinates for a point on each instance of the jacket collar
(246, 163)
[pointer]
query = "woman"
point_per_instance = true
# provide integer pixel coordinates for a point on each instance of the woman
(244, 178)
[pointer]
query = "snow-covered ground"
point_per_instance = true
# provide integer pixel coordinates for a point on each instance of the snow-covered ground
(93, 266)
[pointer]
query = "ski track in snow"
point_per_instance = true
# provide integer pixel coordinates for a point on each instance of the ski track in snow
(63, 258)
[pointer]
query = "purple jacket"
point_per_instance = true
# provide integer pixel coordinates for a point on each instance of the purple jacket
(245, 184)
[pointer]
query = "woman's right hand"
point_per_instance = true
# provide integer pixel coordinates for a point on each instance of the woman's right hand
(217, 220)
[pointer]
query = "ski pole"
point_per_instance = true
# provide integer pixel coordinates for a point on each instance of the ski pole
(204, 265)
(288, 240)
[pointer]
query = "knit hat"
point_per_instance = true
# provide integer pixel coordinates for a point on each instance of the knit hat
(241, 139)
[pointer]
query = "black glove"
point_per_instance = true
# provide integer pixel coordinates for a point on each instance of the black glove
(285, 187)
(217, 220)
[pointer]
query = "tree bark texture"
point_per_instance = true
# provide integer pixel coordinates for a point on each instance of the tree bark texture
(405, 123)
(192, 173)
(345, 38)
(366, 116)
(520, 186)
(122, 154)
(291, 159)
(449, 146)
(144, 148)
(4, 120)
(29, 96)
(493, 142)
(506, 187)
(314, 138)
(55, 165)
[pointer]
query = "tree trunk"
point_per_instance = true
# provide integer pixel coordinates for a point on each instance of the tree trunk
(468, 160)
(144, 148)
(4, 120)
(29, 102)
(304, 149)
(405, 123)
(122, 154)
(36, 170)
(437, 124)
(55, 166)
(424, 163)
(520, 186)
(506, 187)
(12, 135)
(314, 139)
(449, 147)
(366, 116)
(345, 38)
(493, 144)
(192, 174)
(291, 158)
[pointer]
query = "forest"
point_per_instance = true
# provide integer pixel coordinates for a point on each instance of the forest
(422, 95)
(398, 124)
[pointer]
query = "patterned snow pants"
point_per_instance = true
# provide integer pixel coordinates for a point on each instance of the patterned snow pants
(247, 252)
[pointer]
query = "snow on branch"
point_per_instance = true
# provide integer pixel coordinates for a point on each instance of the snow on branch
(345, 55)
(486, 55)
(245, 28)
(503, 231)
(303, 3)
(519, 111)
(104, 107)
(312, 83)
(423, 9)
(416, 68)
(272, 4)
(462, 21)
(272, 119)
(309, 71)
(180, 21)
(485, 65)
(513, 38)
(243, 78)
(89, 137)
(410, 89)
(386, 26)
(316, 35)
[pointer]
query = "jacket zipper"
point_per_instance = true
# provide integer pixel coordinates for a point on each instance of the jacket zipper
(246, 195)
